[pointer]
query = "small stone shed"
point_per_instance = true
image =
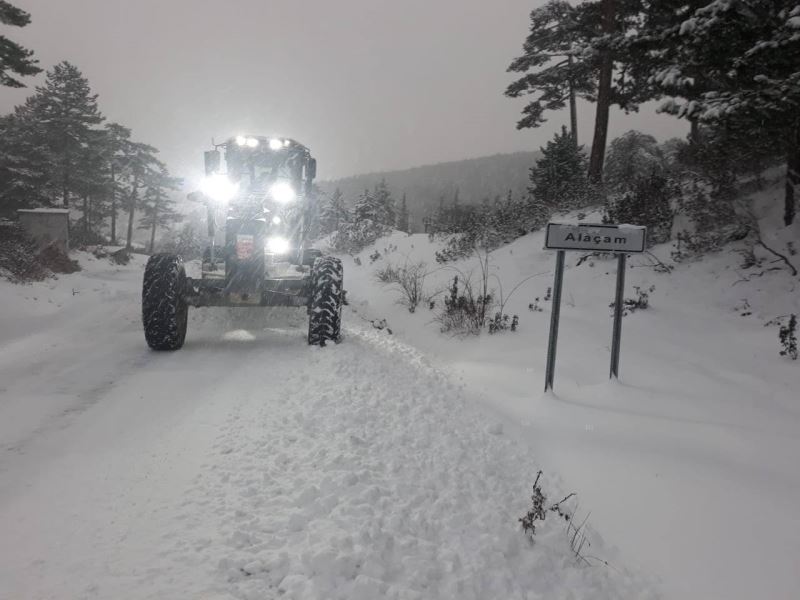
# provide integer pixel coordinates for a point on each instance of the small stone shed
(47, 225)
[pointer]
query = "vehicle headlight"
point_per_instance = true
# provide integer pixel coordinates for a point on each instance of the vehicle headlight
(250, 142)
(278, 245)
(282, 192)
(275, 144)
(219, 188)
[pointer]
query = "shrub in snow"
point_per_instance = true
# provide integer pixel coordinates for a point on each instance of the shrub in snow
(487, 226)
(788, 337)
(409, 280)
(576, 533)
(464, 310)
(640, 302)
(18, 260)
(711, 222)
(539, 509)
(354, 237)
(502, 322)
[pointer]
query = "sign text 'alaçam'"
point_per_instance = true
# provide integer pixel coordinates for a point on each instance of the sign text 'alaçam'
(596, 237)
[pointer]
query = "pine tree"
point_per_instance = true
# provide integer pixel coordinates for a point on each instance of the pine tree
(158, 207)
(367, 209)
(117, 149)
(14, 59)
(748, 54)
(385, 204)
(593, 34)
(142, 163)
(25, 164)
(333, 212)
(559, 178)
(402, 223)
(66, 112)
(554, 72)
(91, 186)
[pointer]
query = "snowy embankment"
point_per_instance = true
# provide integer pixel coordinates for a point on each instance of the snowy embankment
(249, 465)
(689, 463)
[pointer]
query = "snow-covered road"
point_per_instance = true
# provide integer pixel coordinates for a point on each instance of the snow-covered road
(249, 465)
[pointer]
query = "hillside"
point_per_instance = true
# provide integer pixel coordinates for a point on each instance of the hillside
(700, 430)
(424, 186)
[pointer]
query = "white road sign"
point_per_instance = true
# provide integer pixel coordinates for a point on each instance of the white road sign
(596, 237)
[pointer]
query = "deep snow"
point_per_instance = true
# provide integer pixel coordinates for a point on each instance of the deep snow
(249, 465)
(689, 463)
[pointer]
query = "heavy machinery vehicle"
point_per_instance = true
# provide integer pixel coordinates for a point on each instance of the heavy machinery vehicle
(265, 193)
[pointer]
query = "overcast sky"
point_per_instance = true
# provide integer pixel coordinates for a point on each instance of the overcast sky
(368, 85)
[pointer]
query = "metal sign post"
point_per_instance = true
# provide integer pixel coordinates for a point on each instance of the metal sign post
(554, 315)
(616, 335)
(619, 239)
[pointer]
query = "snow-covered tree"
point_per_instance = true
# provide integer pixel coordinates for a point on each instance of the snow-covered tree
(158, 206)
(559, 179)
(647, 201)
(367, 209)
(142, 163)
(25, 164)
(14, 59)
(582, 50)
(117, 149)
(402, 221)
(385, 203)
(65, 111)
(333, 212)
(632, 156)
(736, 63)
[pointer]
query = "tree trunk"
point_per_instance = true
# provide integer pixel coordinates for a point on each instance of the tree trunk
(792, 176)
(85, 217)
(603, 100)
(573, 110)
(153, 230)
(113, 207)
(65, 180)
(131, 214)
(694, 132)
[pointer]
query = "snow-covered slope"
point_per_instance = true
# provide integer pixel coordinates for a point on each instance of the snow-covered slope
(689, 463)
(249, 465)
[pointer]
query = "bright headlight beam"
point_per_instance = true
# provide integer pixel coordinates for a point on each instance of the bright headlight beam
(241, 140)
(219, 188)
(278, 245)
(282, 192)
(276, 220)
(252, 142)
(275, 144)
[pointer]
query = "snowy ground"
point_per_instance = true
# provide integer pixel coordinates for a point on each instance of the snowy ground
(689, 464)
(249, 465)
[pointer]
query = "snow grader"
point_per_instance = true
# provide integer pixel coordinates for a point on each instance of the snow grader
(265, 193)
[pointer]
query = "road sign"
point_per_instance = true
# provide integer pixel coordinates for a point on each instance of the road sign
(596, 237)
